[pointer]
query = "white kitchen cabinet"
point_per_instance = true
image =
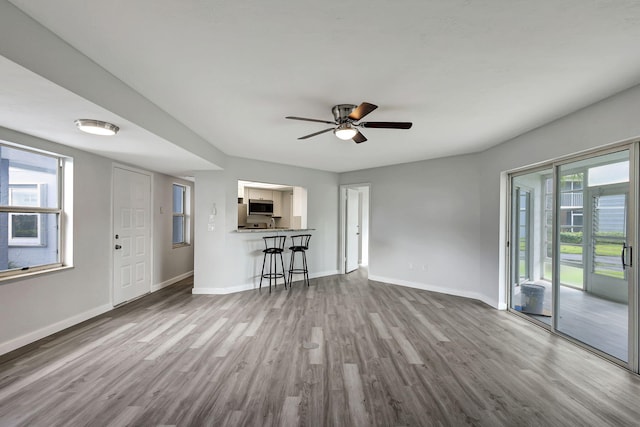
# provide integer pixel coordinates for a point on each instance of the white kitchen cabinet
(277, 203)
(258, 193)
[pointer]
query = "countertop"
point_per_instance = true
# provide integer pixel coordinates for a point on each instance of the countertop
(270, 230)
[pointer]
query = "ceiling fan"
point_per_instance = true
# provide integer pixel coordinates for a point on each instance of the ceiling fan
(347, 121)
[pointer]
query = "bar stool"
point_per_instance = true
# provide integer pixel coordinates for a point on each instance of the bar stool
(300, 246)
(274, 246)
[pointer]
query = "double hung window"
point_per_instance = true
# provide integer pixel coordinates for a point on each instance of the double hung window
(180, 224)
(30, 210)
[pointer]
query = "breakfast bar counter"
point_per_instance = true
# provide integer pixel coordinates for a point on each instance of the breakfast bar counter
(270, 230)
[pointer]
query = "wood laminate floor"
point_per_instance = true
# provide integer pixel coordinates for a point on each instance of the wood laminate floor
(595, 321)
(345, 352)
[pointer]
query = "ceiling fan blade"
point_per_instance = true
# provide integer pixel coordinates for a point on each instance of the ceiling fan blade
(361, 111)
(387, 125)
(359, 138)
(316, 133)
(310, 120)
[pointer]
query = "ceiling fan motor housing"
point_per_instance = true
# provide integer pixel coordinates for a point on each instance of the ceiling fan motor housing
(341, 112)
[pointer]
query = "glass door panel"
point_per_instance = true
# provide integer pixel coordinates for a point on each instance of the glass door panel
(607, 277)
(523, 236)
(530, 244)
(593, 286)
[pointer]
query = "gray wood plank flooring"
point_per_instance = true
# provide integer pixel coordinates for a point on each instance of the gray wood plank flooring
(345, 351)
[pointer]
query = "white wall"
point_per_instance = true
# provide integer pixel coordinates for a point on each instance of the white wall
(227, 261)
(32, 308)
(448, 214)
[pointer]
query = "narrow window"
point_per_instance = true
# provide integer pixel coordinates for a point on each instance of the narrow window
(179, 215)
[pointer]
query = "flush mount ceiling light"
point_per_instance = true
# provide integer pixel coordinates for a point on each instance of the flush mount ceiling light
(345, 131)
(96, 127)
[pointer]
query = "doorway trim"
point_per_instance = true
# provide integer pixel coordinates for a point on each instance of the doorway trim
(115, 166)
(342, 250)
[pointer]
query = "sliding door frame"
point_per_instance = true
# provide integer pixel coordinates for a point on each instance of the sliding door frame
(633, 231)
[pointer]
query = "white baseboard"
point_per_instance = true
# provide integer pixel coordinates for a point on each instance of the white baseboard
(171, 281)
(222, 291)
(23, 340)
(249, 286)
(323, 274)
(442, 290)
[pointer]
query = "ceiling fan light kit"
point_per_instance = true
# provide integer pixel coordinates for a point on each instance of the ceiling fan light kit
(347, 121)
(345, 131)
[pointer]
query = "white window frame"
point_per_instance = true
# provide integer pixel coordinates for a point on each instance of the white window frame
(58, 211)
(26, 241)
(185, 216)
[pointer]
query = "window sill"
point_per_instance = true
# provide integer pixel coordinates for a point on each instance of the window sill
(33, 273)
(181, 245)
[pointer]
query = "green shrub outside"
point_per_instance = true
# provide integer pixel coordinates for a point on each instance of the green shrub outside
(576, 236)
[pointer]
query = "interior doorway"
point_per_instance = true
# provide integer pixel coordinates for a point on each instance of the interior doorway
(354, 226)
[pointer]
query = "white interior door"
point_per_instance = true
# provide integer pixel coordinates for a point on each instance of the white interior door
(132, 235)
(352, 231)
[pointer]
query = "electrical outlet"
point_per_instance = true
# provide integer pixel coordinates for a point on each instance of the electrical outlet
(211, 227)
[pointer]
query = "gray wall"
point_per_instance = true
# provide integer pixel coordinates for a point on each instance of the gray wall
(424, 224)
(171, 263)
(448, 214)
(34, 307)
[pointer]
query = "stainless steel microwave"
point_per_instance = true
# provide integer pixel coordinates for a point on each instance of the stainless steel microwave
(260, 207)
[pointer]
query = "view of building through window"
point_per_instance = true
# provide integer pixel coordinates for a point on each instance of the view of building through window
(29, 209)
(179, 215)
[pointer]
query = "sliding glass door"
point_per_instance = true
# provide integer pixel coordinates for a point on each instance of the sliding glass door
(593, 295)
(571, 237)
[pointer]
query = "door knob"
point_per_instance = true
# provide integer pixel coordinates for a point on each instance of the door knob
(118, 247)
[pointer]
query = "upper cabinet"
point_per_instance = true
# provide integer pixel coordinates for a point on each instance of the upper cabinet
(257, 193)
(277, 203)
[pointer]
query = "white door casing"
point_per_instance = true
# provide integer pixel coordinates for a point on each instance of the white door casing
(352, 231)
(131, 234)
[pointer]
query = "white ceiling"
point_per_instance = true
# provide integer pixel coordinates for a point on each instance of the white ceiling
(26, 96)
(468, 74)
